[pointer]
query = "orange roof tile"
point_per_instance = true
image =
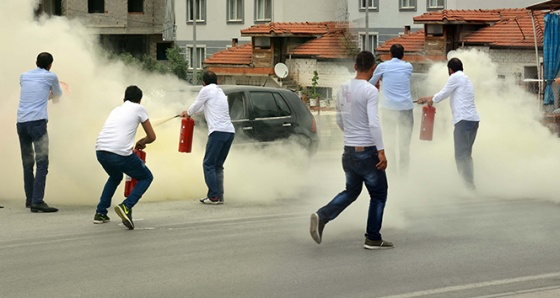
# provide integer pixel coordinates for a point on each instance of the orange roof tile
(468, 16)
(513, 32)
(239, 55)
(289, 29)
(334, 45)
(412, 42)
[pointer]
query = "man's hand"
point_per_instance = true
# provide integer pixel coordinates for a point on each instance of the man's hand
(184, 114)
(141, 144)
(428, 100)
(382, 164)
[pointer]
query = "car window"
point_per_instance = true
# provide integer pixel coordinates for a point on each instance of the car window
(283, 108)
(264, 105)
(236, 106)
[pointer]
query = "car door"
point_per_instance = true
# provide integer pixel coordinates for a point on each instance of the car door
(238, 112)
(272, 117)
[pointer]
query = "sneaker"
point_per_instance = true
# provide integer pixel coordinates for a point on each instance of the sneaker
(378, 244)
(126, 215)
(210, 201)
(100, 218)
(316, 228)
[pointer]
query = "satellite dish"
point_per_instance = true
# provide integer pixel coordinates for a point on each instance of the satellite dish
(452, 54)
(281, 70)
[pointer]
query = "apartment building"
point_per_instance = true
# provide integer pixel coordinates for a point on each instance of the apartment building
(134, 26)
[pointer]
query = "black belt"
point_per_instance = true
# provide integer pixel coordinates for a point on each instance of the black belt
(358, 148)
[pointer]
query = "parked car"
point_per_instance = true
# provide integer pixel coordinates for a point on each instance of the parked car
(270, 115)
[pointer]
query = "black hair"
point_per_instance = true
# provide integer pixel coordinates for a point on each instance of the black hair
(455, 64)
(44, 59)
(209, 77)
(364, 61)
(397, 51)
(133, 94)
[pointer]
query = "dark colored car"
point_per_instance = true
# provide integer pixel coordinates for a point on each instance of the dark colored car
(266, 114)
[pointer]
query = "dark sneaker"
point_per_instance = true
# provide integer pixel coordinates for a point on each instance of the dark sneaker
(378, 244)
(126, 215)
(316, 228)
(42, 207)
(210, 201)
(101, 218)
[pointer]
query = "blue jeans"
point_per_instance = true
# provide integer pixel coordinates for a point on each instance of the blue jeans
(115, 165)
(34, 145)
(217, 150)
(464, 135)
(359, 168)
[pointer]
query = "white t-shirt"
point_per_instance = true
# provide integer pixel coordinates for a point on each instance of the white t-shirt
(214, 102)
(357, 114)
(119, 131)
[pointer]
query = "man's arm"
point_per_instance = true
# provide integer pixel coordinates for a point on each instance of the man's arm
(198, 105)
(56, 91)
(150, 135)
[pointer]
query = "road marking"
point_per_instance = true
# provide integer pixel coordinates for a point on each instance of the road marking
(475, 285)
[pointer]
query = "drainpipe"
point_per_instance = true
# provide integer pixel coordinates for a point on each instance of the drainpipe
(536, 53)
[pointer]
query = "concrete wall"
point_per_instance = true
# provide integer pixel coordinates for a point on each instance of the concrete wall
(117, 19)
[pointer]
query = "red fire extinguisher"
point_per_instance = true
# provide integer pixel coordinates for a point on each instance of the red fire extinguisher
(131, 182)
(427, 125)
(186, 135)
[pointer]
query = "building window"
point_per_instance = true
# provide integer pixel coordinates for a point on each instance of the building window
(372, 5)
(135, 5)
(434, 30)
(235, 11)
(436, 4)
(162, 48)
(369, 43)
(199, 55)
(263, 10)
(407, 5)
(96, 6)
(261, 42)
(200, 11)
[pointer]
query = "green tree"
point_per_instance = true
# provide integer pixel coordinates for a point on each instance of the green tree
(177, 63)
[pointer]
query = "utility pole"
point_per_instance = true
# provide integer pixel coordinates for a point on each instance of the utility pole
(366, 38)
(195, 11)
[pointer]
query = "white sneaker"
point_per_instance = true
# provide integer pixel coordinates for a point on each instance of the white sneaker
(209, 201)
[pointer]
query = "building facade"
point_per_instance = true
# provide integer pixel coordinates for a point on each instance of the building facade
(133, 26)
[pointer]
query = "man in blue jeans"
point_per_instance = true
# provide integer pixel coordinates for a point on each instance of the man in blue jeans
(114, 152)
(363, 160)
(212, 100)
(460, 90)
(37, 87)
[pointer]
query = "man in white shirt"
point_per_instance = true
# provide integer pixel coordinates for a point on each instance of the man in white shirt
(465, 117)
(396, 116)
(212, 100)
(114, 152)
(37, 87)
(363, 160)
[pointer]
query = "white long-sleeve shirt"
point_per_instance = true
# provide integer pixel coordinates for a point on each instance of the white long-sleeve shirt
(357, 114)
(460, 90)
(212, 100)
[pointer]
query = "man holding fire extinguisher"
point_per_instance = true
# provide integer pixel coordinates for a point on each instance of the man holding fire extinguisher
(212, 100)
(114, 153)
(465, 117)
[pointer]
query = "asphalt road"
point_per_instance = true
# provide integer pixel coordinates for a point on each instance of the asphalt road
(464, 246)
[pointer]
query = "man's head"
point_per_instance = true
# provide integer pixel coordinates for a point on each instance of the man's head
(364, 62)
(454, 65)
(44, 60)
(209, 77)
(133, 94)
(397, 51)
